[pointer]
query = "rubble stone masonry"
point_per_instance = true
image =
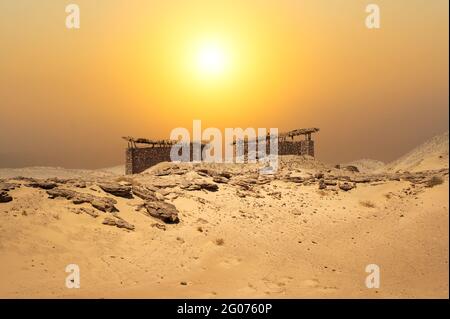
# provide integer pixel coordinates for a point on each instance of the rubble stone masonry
(138, 159)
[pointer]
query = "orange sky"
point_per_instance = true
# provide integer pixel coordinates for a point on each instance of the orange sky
(67, 96)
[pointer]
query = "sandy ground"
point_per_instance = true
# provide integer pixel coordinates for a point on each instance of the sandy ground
(277, 237)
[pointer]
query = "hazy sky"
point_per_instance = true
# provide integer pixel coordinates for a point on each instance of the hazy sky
(67, 96)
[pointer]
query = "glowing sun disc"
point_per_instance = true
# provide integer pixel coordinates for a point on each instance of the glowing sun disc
(211, 59)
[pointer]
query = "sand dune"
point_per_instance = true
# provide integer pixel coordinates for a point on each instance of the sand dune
(307, 231)
(432, 154)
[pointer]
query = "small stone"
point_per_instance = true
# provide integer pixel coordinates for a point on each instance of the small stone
(319, 175)
(159, 226)
(322, 184)
(346, 186)
(4, 197)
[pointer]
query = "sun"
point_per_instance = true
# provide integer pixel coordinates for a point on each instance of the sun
(206, 62)
(212, 59)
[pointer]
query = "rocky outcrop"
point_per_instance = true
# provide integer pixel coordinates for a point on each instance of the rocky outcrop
(204, 172)
(78, 183)
(214, 173)
(360, 179)
(242, 184)
(61, 192)
(42, 184)
(171, 170)
(294, 179)
(208, 186)
(116, 189)
(199, 185)
(329, 182)
(103, 204)
(166, 212)
(144, 193)
(7, 186)
(4, 189)
(118, 222)
(220, 179)
(155, 206)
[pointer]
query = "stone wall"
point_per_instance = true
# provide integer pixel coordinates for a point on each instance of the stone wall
(305, 147)
(296, 148)
(138, 159)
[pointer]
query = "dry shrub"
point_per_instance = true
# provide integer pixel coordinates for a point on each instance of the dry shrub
(220, 241)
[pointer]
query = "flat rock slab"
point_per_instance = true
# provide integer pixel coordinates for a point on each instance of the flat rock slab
(117, 189)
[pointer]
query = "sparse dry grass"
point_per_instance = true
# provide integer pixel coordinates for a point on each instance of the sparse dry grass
(367, 203)
(433, 181)
(321, 192)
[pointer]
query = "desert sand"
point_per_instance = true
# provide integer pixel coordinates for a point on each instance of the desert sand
(184, 230)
